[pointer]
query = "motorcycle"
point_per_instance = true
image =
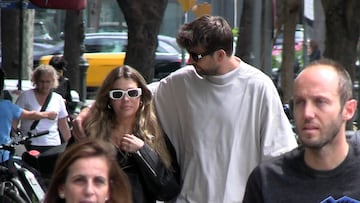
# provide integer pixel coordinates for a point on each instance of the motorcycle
(44, 162)
(18, 181)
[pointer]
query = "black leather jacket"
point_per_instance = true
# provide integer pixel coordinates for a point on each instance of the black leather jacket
(150, 180)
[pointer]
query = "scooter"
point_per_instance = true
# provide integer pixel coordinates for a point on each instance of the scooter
(44, 162)
(18, 181)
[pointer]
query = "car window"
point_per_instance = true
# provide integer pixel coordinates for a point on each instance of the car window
(98, 45)
(120, 45)
(163, 47)
(115, 44)
(170, 41)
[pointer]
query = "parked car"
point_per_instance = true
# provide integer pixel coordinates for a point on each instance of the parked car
(105, 51)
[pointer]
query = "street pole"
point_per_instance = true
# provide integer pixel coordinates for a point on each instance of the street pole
(183, 59)
(83, 65)
(235, 13)
(21, 46)
(256, 33)
(267, 38)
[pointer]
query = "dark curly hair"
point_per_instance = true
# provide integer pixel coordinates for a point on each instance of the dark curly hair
(58, 62)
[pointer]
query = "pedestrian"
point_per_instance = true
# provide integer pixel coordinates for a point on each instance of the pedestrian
(64, 87)
(325, 167)
(313, 50)
(42, 98)
(87, 172)
(123, 114)
(11, 112)
(222, 115)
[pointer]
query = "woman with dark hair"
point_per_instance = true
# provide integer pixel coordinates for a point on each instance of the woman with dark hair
(64, 87)
(123, 114)
(88, 172)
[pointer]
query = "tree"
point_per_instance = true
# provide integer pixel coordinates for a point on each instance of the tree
(94, 14)
(16, 22)
(9, 42)
(255, 34)
(255, 37)
(342, 21)
(288, 18)
(143, 18)
(243, 48)
(74, 36)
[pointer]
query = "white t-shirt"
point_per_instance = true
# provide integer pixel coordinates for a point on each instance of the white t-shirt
(221, 128)
(28, 101)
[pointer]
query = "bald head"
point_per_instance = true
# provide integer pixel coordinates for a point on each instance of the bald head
(326, 73)
(323, 104)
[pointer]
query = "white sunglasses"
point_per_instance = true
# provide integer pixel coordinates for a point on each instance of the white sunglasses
(119, 94)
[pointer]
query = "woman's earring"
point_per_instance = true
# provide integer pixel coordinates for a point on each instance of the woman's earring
(108, 106)
(61, 195)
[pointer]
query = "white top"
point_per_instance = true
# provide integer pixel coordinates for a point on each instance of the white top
(221, 128)
(28, 101)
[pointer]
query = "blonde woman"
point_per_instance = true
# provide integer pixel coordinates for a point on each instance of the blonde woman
(123, 114)
(45, 79)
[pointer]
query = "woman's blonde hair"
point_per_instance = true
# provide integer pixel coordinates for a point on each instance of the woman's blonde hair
(102, 119)
(44, 69)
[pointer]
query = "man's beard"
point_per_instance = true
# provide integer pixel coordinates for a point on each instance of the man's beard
(330, 133)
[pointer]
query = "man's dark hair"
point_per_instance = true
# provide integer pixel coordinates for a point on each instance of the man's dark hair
(209, 32)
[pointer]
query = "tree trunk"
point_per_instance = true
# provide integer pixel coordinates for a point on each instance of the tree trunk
(28, 43)
(143, 18)
(254, 38)
(243, 47)
(10, 42)
(74, 35)
(342, 21)
(94, 15)
(291, 11)
(12, 34)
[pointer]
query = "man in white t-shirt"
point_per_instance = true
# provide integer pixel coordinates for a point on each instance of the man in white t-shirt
(222, 115)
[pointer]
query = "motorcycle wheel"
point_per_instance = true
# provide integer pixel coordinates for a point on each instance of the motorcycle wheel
(11, 196)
